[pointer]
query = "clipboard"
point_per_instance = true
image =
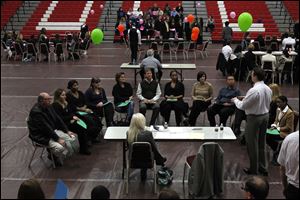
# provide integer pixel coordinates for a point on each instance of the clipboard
(273, 131)
(81, 123)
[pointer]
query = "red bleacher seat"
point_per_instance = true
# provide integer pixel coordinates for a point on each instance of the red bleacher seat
(8, 9)
(293, 9)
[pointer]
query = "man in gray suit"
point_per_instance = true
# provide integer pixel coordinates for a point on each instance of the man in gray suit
(151, 62)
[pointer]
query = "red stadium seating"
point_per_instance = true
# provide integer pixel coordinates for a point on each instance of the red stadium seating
(293, 9)
(8, 9)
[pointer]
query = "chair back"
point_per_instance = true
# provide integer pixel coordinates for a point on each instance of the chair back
(59, 48)
(192, 46)
(44, 48)
(267, 66)
(256, 46)
(205, 45)
(296, 120)
(31, 49)
(4, 45)
(166, 46)
(18, 48)
(274, 46)
(288, 67)
(154, 46)
(180, 46)
(141, 155)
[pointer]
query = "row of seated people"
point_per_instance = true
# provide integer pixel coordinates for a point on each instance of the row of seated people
(235, 63)
(68, 105)
(29, 48)
(263, 43)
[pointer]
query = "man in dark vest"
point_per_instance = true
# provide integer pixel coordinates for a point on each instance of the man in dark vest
(134, 36)
(149, 93)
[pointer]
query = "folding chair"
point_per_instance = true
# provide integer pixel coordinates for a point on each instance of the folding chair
(191, 48)
(43, 49)
(287, 69)
(267, 66)
(166, 48)
(140, 157)
(59, 50)
(180, 48)
(31, 51)
(19, 51)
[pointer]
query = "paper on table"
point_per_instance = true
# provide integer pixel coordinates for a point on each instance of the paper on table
(123, 104)
(196, 134)
(273, 131)
(81, 123)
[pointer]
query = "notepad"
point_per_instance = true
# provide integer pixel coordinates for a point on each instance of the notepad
(106, 103)
(61, 191)
(81, 123)
(273, 131)
(123, 104)
(172, 100)
(82, 113)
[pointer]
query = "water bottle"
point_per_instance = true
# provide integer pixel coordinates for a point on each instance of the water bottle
(221, 128)
(166, 125)
(216, 128)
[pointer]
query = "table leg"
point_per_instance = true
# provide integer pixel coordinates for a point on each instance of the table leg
(124, 158)
(180, 73)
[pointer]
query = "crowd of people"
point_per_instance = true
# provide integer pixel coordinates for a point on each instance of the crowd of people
(161, 23)
(74, 44)
(73, 121)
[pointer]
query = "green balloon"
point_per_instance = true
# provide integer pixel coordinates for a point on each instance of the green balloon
(97, 36)
(245, 21)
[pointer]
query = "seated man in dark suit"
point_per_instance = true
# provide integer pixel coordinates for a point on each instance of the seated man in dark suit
(223, 105)
(47, 128)
(149, 93)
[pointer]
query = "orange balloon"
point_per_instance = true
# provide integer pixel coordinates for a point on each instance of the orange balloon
(121, 28)
(190, 18)
(196, 30)
(194, 36)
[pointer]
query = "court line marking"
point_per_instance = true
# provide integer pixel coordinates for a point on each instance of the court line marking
(114, 180)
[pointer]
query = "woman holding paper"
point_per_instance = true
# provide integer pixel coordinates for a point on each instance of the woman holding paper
(283, 125)
(123, 93)
(96, 100)
(75, 124)
(173, 93)
(77, 105)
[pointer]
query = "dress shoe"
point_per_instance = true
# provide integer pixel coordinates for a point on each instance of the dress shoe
(247, 171)
(264, 173)
(85, 152)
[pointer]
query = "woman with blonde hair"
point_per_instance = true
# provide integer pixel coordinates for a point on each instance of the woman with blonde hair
(273, 105)
(138, 133)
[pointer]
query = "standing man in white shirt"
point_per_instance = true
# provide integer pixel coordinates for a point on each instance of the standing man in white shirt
(289, 165)
(227, 51)
(289, 41)
(256, 104)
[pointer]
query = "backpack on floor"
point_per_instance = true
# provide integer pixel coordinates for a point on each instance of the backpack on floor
(164, 176)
